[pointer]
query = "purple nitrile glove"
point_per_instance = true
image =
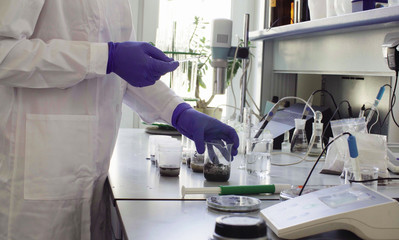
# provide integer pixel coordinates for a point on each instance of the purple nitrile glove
(201, 128)
(138, 63)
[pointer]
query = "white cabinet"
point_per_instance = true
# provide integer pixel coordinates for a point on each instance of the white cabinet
(341, 45)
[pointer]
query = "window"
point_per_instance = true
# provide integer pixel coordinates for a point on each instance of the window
(175, 30)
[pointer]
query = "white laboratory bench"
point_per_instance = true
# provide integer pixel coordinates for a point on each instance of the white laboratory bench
(150, 206)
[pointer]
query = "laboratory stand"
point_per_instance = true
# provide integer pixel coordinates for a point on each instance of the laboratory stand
(146, 205)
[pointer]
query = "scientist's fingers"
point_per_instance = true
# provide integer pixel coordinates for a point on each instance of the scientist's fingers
(156, 53)
(159, 67)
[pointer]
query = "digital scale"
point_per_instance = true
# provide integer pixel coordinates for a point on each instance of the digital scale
(352, 207)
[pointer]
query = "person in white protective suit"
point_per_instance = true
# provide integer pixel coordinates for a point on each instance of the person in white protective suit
(65, 68)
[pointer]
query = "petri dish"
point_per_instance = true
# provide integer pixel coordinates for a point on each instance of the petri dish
(294, 191)
(233, 203)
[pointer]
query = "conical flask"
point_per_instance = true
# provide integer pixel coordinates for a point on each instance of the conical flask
(317, 146)
(299, 142)
(317, 138)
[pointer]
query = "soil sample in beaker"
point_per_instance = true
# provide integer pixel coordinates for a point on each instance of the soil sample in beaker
(169, 171)
(216, 172)
(197, 163)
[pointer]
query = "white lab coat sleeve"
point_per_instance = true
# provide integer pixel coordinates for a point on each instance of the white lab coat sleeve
(154, 103)
(33, 63)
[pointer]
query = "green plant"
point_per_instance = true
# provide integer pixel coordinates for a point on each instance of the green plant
(198, 44)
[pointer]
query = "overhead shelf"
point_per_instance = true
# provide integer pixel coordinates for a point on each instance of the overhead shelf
(368, 18)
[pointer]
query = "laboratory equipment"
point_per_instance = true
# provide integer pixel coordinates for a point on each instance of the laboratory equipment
(233, 227)
(197, 162)
(294, 191)
(221, 31)
(258, 156)
(317, 139)
(375, 104)
(231, 190)
(353, 153)
(217, 161)
(390, 50)
(353, 207)
(393, 155)
(365, 173)
(152, 143)
(233, 203)
(246, 135)
(286, 144)
(169, 159)
(299, 142)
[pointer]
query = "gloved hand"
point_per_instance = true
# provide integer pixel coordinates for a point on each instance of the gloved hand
(138, 63)
(201, 128)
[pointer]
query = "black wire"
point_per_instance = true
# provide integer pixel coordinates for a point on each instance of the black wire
(318, 159)
(335, 112)
(374, 179)
(332, 98)
(392, 102)
(394, 96)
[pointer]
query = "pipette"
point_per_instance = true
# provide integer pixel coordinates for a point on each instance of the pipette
(228, 190)
(376, 102)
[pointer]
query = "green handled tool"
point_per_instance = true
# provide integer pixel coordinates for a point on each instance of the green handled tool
(231, 190)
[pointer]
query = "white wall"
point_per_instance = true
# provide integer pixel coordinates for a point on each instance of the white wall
(145, 20)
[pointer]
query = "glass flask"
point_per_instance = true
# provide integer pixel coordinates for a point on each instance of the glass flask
(299, 142)
(317, 146)
(317, 138)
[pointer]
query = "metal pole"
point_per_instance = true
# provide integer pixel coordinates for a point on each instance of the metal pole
(244, 66)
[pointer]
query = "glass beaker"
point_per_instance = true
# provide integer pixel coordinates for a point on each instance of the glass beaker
(197, 162)
(152, 145)
(169, 159)
(299, 142)
(259, 155)
(217, 161)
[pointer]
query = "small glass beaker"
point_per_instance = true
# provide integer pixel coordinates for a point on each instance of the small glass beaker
(259, 155)
(169, 160)
(366, 173)
(152, 145)
(217, 161)
(197, 162)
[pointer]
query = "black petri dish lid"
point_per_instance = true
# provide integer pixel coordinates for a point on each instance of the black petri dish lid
(240, 227)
